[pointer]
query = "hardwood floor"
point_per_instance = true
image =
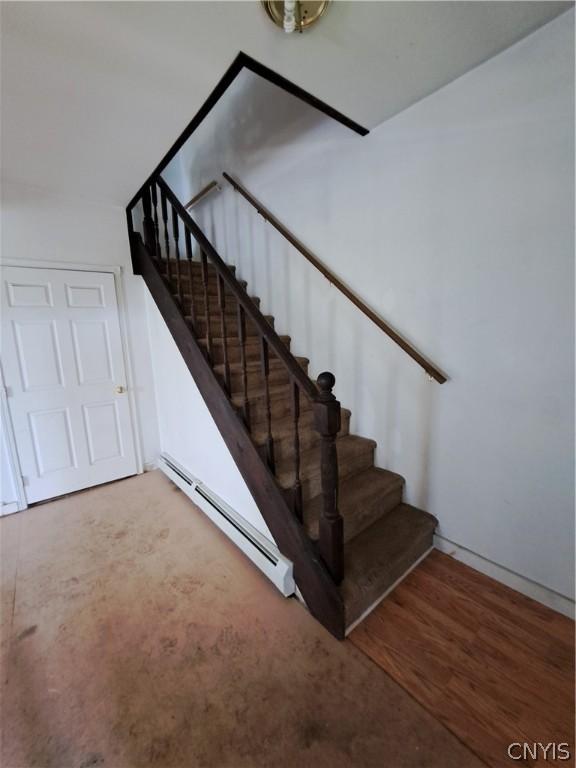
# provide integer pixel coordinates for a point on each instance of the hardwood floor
(492, 665)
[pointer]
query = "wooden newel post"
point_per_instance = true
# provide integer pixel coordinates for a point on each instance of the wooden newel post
(331, 527)
(148, 223)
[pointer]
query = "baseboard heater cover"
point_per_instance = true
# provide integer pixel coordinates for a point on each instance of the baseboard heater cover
(263, 552)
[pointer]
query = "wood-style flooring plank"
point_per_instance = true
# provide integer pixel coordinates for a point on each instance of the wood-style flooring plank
(492, 665)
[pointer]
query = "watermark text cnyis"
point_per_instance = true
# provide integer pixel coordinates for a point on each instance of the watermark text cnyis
(539, 751)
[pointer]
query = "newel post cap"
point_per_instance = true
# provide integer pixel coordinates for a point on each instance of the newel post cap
(326, 381)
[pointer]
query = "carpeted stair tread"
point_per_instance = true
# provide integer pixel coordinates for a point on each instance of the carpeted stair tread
(184, 266)
(251, 348)
(231, 325)
(231, 307)
(255, 366)
(277, 392)
(198, 291)
(283, 434)
(278, 374)
(355, 454)
(285, 427)
(381, 554)
(363, 498)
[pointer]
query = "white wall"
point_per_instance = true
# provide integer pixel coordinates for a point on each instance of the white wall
(453, 220)
(249, 125)
(39, 225)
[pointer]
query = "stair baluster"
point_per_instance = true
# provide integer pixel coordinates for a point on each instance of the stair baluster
(188, 241)
(331, 525)
(176, 234)
(265, 362)
(164, 209)
(206, 304)
(222, 306)
(147, 223)
(242, 345)
(297, 488)
(155, 218)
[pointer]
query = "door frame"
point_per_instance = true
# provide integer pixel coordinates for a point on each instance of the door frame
(20, 503)
(118, 272)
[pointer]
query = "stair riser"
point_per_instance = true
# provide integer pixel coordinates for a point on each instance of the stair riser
(231, 326)
(255, 379)
(230, 308)
(198, 291)
(197, 282)
(198, 296)
(197, 279)
(279, 407)
(371, 512)
(252, 350)
(284, 445)
(311, 477)
(183, 265)
(197, 288)
(214, 314)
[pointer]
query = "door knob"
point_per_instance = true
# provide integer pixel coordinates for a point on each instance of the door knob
(120, 390)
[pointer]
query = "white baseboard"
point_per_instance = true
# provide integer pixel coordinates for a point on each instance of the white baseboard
(511, 579)
(150, 466)
(10, 508)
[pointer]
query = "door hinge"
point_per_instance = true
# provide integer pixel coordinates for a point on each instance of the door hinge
(25, 480)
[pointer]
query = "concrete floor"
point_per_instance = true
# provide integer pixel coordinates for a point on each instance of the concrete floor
(135, 634)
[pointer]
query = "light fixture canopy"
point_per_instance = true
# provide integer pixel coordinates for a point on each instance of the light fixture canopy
(295, 15)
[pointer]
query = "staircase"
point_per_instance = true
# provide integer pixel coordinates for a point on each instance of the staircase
(383, 537)
(338, 517)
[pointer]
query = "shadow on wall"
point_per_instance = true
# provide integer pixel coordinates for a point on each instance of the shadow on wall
(252, 121)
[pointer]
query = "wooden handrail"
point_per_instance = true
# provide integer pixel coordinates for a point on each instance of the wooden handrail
(264, 328)
(202, 194)
(430, 369)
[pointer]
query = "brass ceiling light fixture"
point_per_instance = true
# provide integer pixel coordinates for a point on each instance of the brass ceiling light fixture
(295, 15)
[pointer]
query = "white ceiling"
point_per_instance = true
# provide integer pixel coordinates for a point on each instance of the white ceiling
(93, 94)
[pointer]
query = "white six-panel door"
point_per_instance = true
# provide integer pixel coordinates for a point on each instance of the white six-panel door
(65, 377)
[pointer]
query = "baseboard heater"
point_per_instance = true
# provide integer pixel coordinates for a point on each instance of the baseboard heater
(263, 552)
